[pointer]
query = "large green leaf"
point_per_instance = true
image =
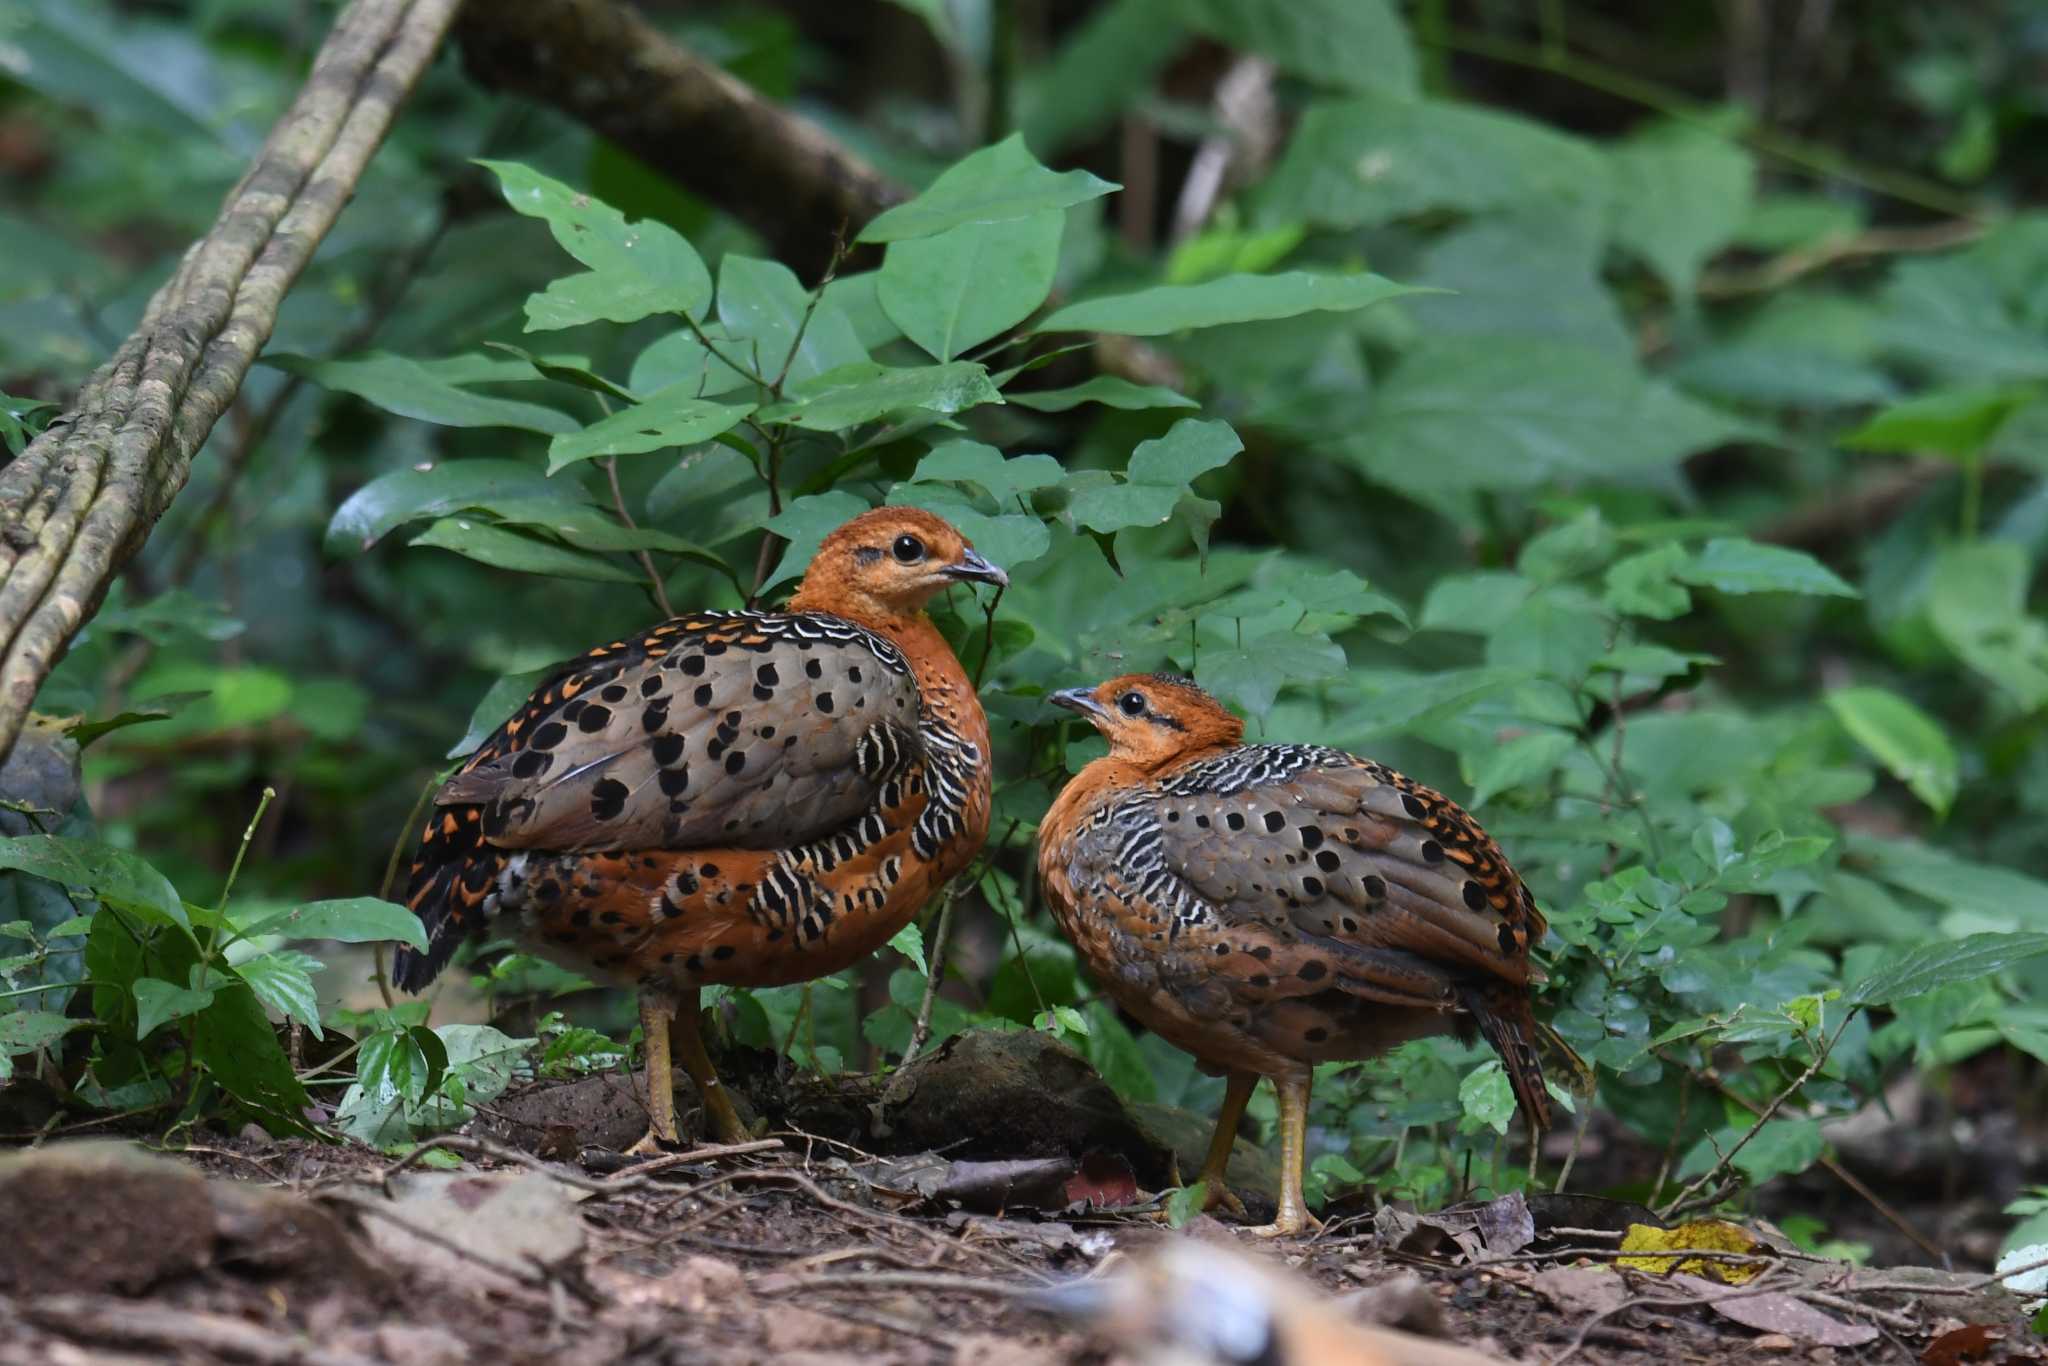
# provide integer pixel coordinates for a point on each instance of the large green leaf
(283, 981)
(1376, 158)
(868, 391)
(674, 417)
(683, 358)
(1106, 64)
(988, 186)
(1730, 564)
(1977, 601)
(591, 528)
(410, 388)
(158, 1001)
(1215, 303)
(501, 548)
(391, 500)
(636, 269)
(1959, 421)
(1251, 675)
(24, 1031)
(113, 875)
(1463, 413)
(1107, 390)
(1352, 44)
(1926, 967)
(1907, 741)
(1005, 479)
(773, 323)
(1680, 195)
(352, 920)
(1189, 449)
(955, 289)
(235, 1042)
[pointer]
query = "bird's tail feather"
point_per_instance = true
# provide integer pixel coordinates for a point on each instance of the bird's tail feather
(1504, 1018)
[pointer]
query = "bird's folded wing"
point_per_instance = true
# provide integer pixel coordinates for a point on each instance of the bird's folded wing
(1398, 881)
(738, 730)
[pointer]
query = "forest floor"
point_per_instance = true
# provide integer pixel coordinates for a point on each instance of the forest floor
(543, 1245)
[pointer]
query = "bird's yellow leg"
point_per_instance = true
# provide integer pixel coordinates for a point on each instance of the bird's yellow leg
(1292, 1216)
(689, 1049)
(1216, 1167)
(657, 1015)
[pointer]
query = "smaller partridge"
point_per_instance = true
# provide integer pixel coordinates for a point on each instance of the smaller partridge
(748, 798)
(1271, 907)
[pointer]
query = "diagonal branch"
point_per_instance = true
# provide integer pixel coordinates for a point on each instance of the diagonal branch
(80, 501)
(600, 63)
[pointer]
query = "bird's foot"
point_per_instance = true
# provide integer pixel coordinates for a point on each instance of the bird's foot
(1222, 1197)
(652, 1144)
(1288, 1224)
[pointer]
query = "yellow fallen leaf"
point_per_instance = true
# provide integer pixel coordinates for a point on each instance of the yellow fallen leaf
(1705, 1235)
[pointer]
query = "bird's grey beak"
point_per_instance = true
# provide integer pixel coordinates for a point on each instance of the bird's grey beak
(971, 567)
(1081, 700)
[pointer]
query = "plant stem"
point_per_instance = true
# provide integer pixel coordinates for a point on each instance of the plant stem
(654, 583)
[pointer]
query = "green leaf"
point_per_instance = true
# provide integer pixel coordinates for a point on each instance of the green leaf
(806, 522)
(113, 875)
(1465, 413)
(681, 359)
(394, 1064)
(1645, 585)
(1379, 157)
(1107, 390)
(1976, 601)
(767, 312)
(162, 708)
(352, 920)
(283, 981)
(635, 269)
(1005, 479)
(996, 183)
(1184, 1203)
(1957, 422)
(868, 391)
(390, 501)
(1351, 44)
(1906, 740)
(1731, 565)
(909, 941)
(1526, 760)
(1680, 195)
(1214, 303)
(1486, 1099)
(1106, 64)
(234, 1041)
(1781, 1148)
(502, 549)
(673, 417)
(591, 528)
(1189, 449)
(157, 1001)
(24, 1031)
(1926, 967)
(955, 289)
(1108, 508)
(408, 388)
(1252, 675)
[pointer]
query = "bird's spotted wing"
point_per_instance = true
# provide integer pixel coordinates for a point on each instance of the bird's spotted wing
(1311, 844)
(735, 730)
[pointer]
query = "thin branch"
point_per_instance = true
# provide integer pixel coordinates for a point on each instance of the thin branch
(654, 582)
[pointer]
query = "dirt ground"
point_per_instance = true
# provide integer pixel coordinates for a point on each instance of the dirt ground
(806, 1247)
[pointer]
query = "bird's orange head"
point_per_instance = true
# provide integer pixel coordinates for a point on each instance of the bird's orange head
(1153, 720)
(886, 564)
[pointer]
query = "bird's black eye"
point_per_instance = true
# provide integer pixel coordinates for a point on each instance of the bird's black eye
(907, 550)
(1132, 704)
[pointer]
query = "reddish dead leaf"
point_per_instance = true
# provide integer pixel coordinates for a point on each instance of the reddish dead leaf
(1774, 1312)
(1971, 1342)
(1105, 1181)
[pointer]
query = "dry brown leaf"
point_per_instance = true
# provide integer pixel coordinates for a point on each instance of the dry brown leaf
(1777, 1312)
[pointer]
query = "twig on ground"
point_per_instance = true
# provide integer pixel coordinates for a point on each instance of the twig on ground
(107, 1318)
(633, 1178)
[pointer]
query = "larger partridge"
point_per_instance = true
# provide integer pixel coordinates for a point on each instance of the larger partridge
(1270, 907)
(750, 798)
